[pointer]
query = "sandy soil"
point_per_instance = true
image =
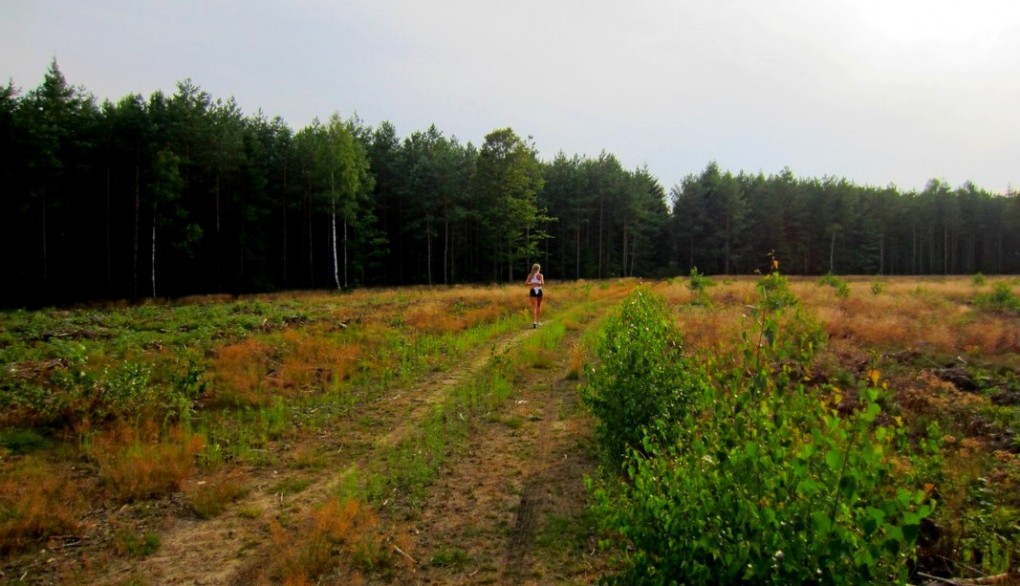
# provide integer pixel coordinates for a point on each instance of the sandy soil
(509, 509)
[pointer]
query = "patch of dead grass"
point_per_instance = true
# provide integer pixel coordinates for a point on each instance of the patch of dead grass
(210, 497)
(341, 539)
(314, 362)
(239, 372)
(136, 463)
(37, 500)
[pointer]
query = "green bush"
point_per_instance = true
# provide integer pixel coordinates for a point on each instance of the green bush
(841, 286)
(775, 292)
(1000, 299)
(22, 440)
(639, 376)
(779, 491)
(698, 284)
(760, 480)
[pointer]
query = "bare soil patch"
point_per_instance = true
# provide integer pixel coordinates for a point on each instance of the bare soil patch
(510, 508)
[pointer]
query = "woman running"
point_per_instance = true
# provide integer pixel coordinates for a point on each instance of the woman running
(534, 282)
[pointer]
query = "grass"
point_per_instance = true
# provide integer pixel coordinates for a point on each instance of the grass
(209, 498)
(562, 535)
(136, 463)
(119, 404)
(37, 499)
(453, 558)
(131, 544)
(347, 530)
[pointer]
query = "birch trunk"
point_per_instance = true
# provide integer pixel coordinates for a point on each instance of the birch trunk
(336, 270)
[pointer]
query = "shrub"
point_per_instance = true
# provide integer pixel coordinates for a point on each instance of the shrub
(841, 286)
(22, 440)
(778, 491)
(76, 388)
(759, 480)
(638, 377)
(1000, 299)
(698, 284)
(775, 292)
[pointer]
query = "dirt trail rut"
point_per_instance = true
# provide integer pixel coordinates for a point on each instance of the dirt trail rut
(213, 551)
(509, 509)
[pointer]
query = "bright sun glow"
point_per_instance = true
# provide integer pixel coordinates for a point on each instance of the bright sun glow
(951, 22)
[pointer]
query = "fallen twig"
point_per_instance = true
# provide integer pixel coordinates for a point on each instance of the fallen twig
(939, 579)
(404, 553)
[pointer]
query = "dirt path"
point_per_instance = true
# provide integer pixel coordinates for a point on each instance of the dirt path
(510, 508)
(214, 551)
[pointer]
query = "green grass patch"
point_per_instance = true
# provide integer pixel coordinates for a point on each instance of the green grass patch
(453, 558)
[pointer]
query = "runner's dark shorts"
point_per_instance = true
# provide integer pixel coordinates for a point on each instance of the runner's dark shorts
(534, 293)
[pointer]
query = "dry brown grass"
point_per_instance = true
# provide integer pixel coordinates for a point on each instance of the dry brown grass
(313, 362)
(239, 373)
(433, 317)
(575, 364)
(914, 314)
(37, 500)
(210, 497)
(459, 308)
(137, 463)
(710, 330)
(932, 316)
(340, 539)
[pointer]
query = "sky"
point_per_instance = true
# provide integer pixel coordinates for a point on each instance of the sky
(880, 92)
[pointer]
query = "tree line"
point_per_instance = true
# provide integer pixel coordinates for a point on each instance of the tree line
(183, 194)
(723, 222)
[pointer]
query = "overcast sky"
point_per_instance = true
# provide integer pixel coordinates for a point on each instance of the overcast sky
(877, 91)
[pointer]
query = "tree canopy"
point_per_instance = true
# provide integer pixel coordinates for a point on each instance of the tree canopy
(186, 194)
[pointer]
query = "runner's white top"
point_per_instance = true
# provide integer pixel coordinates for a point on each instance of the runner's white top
(537, 282)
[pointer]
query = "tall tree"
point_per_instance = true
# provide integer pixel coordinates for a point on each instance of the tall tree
(384, 153)
(14, 194)
(166, 186)
(53, 115)
(565, 193)
(225, 158)
(131, 136)
(509, 180)
(337, 172)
